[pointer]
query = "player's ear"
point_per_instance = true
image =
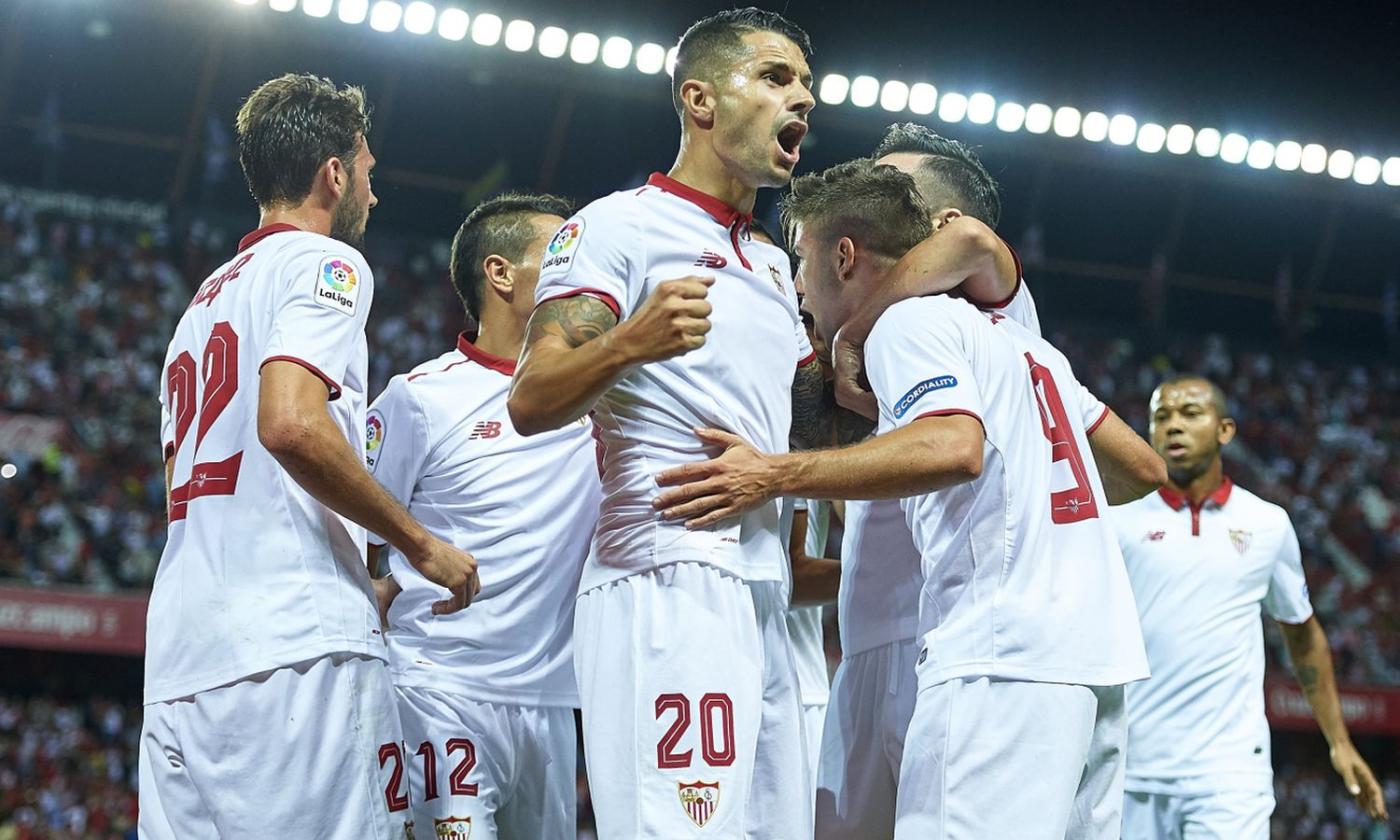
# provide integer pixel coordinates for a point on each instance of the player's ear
(334, 176)
(845, 257)
(698, 102)
(944, 216)
(1225, 432)
(498, 274)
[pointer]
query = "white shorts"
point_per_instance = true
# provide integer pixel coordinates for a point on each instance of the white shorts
(692, 724)
(872, 700)
(489, 770)
(998, 758)
(813, 721)
(1226, 815)
(309, 750)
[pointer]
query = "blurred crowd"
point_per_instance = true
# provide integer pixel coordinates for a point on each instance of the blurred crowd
(90, 303)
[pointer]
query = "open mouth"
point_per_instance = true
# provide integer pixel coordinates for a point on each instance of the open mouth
(790, 139)
(1176, 450)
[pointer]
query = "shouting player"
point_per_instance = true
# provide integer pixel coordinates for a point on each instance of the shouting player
(1027, 621)
(486, 696)
(269, 711)
(659, 313)
(1203, 555)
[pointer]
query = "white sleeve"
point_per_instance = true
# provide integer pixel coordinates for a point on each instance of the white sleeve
(595, 253)
(396, 442)
(1287, 598)
(167, 430)
(320, 314)
(1091, 409)
(918, 365)
(1020, 307)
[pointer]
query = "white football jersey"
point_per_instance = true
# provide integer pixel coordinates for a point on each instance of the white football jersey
(441, 441)
(880, 575)
(1022, 577)
(1200, 574)
(256, 573)
(618, 249)
(805, 623)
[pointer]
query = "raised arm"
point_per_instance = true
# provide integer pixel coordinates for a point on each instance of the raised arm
(575, 349)
(1312, 664)
(815, 580)
(1128, 466)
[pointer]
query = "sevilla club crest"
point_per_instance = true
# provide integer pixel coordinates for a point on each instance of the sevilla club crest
(699, 799)
(453, 828)
(1240, 538)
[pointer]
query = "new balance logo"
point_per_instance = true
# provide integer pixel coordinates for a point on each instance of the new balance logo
(1155, 536)
(709, 259)
(996, 316)
(485, 429)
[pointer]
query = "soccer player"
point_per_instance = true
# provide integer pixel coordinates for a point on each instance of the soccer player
(486, 696)
(1027, 622)
(658, 312)
(268, 706)
(1203, 555)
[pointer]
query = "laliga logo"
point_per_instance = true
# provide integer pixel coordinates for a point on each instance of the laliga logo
(567, 236)
(374, 433)
(339, 275)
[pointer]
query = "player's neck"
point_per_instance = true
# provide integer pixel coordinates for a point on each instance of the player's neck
(498, 339)
(697, 166)
(302, 217)
(1198, 489)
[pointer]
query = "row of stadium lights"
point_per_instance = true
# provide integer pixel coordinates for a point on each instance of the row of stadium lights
(487, 30)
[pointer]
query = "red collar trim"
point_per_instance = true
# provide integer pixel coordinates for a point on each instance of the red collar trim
(481, 357)
(1177, 501)
(262, 233)
(718, 210)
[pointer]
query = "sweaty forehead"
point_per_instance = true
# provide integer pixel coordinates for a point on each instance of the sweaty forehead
(1179, 394)
(771, 46)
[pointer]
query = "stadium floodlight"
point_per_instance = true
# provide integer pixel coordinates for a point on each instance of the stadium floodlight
(1095, 127)
(952, 107)
(833, 88)
(486, 30)
(245, 2)
(1314, 160)
(317, 8)
(452, 24)
(353, 11)
(922, 98)
(1207, 142)
(281, 5)
(1179, 139)
(981, 108)
(1066, 121)
(617, 52)
(1390, 172)
(554, 42)
(651, 58)
(1287, 155)
(1234, 148)
(1011, 116)
(385, 15)
(1121, 130)
(1038, 118)
(520, 35)
(1151, 137)
(1340, 164)
(1261, 155)
(864, 91)
(584, 47)
(418, 17)
(671, 56)
(1367, 170)
(894, 95)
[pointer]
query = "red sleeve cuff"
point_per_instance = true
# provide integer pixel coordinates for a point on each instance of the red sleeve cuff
(948, 412)
(1020, 275)
(594, 293)
(807, 359)
(331, 384)
(1098, 422)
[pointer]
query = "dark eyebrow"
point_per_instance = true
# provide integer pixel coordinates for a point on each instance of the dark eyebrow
(780, 64)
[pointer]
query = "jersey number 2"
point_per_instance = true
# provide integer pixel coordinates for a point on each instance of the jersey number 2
(220, 366)
(1077, 503)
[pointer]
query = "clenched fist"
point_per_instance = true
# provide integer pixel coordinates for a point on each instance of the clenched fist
(673, 320)
(450, 567)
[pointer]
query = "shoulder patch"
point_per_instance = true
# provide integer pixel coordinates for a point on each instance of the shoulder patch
(917, 393)
(374, 437)
(561, 249)
(337, 285)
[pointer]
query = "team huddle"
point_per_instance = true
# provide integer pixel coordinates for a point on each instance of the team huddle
(375, 619)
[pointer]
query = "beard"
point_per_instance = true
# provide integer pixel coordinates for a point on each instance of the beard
(348, 222)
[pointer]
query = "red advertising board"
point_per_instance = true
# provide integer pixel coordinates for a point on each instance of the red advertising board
(56, 619)
(1367, 711)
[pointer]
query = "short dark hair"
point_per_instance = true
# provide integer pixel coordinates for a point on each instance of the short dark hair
(876, 206)
(500, 225)
(1219, 401)
(289, 126)
(957, 177)
(712, 40)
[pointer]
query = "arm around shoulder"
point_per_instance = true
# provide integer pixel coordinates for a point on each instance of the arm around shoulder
(1130, 469)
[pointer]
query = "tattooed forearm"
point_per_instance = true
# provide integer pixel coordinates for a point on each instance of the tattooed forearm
(813, 406)
(1307, 678)
(852, 427)
(577, 320)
